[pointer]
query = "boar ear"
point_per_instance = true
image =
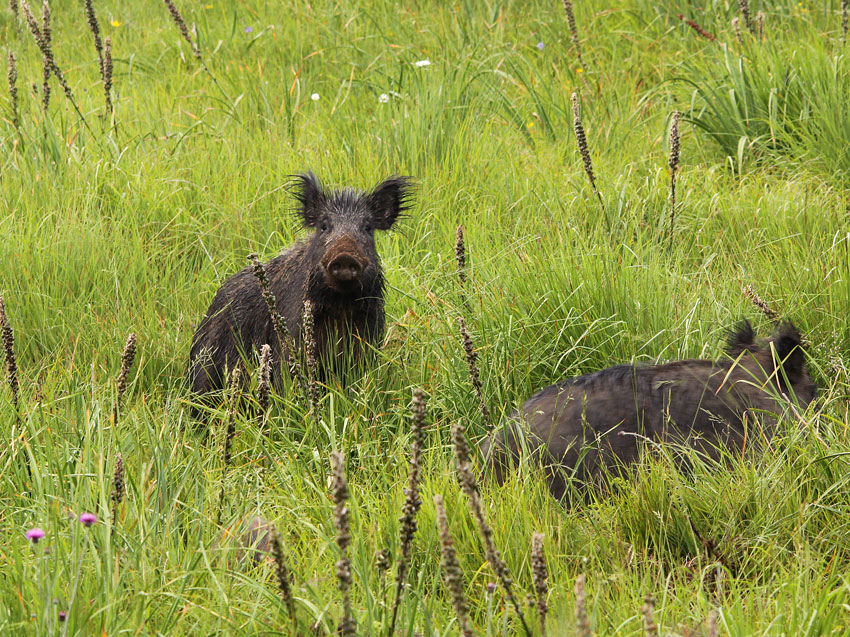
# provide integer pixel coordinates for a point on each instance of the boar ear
(389, 199)
(308, 192)
(740, 339)
(789, 351)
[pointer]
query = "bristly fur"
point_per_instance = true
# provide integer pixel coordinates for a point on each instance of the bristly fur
(583, 428)
(337, 269)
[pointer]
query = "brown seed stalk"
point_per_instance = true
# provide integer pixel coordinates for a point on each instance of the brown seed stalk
(736, 29)
(760, 24)
(47, 53)
(571, 22)
(469, 485)
(674, 165)
(13, 6)
(581, 138)
(94, 27)
(771, 314)
(540, 577)
(117, 486)
(283, 335)
(308, 321)
(452, 571)
(184, 30)
(282, 573)
(8, 338)
(696, 27)
(845, 19)
(650, 628)
(235, 380)
(745, 12)
(460, 255)
(347, 624)
(13, 89)
(412, 501)
(127, 358)
(582, 622)
(107, 75)
(474, 375)
(264, 383)
(47, 37)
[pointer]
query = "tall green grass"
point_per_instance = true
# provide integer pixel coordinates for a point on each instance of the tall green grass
(132, 228)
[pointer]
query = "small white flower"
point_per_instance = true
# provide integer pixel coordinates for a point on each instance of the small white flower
(383, 98)
(422, 63)
(315, 97)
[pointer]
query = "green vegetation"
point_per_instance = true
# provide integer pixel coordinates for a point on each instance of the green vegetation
(129, 223)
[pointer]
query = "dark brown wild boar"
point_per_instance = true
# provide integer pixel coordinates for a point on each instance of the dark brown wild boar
(581, 427)
(337, 268)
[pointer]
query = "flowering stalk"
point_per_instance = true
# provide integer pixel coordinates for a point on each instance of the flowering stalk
(13, 90)
(582, 623)
(264, 382)
(845, 9)
(347, 625)
(474, 375)
(736, 28)
(650, 628)
(229, 434)
(181, 25)
(674, 165)
(308, 321)
(581, 139)
(571, 22)
(412, 502)
(469, 485)
(282, 573)
(128, 356)
(451, 569)
(745, 11)
(539, 575)
(117, 486)
(107, 75)
(8, 338)
(46, 36)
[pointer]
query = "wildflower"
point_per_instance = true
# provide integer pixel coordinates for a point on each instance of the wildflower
(249, 29)
(315, 97)
(491, 588)
(116, 23)
(540, 46)
(88, 519)
(208, 6)
(34, 535)
(383, 98)
(579, 70)
(61, 615)
(421, 63)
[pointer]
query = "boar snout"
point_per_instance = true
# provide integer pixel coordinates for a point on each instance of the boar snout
(344, 263)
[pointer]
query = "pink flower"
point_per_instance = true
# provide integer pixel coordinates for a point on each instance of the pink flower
(88, 519)
(34, 535)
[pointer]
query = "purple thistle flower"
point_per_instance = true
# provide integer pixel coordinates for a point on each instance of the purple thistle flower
(34, 535)
(491, 588)
(88, 519)
(540, 46)
(61, 615)
(249, 29)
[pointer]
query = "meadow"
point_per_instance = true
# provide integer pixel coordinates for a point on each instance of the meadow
(127, 220)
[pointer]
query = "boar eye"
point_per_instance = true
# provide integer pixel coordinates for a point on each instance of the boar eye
(323, 226)
(368, 227)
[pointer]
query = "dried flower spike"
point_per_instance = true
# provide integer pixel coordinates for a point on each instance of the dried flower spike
(13, 5)
(281, 331)
(469, 485)
(127, 358)
(474, 375)
(235, 381)
(264, 382)
(181, 24)
(347, 625)
(311, 348)
(46, 36)
(760, 24)
(8, 338)
(571, 22)
(451, 570)
(712, 623)
(845, 19)
(47, 53)
(13, 89)
(745, 12)
(582, 622)
(460, 254)
(674, 165)
(540, 576)
(94, 27)
(650, 628)
(736, 29)
(107, 75)
(282, 573)
(761, 304)
(581, 139)
(117, 486)
(412, 501)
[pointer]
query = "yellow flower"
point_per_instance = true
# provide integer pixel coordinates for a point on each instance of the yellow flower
(116, 23)
(530, 125)
(208, 6)
(579, 70)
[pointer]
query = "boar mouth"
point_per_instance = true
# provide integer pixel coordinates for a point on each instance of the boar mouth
(344, 266)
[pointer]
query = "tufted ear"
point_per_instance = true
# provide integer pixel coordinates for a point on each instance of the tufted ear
(310, 196)
(740, 339)
(389, 199)
(787, 343)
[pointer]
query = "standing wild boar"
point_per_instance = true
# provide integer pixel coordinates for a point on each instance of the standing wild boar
(336, 268)
(580, 427)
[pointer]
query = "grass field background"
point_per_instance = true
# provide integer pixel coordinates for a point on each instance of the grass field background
(130, 223)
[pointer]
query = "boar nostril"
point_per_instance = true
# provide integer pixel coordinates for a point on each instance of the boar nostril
(345, 268)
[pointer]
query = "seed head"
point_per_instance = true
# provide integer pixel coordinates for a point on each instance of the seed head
(264, 382)
(8, 338)
(581, 139)
(107, 74)
(235, 380)
(347, 625)
(460, 254)
(649, 626)
(128, 356)
(308, 321)
(745, 11)
(761, 304)
(736, 29)
(540, 576)
(582, 623)
(13, 85)
(282, 572)
(184, 30)
(571, 22)
(845, 10)
(451, 570)
(94, 27)
(47, 37)
(117, 486)
(474, 375)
